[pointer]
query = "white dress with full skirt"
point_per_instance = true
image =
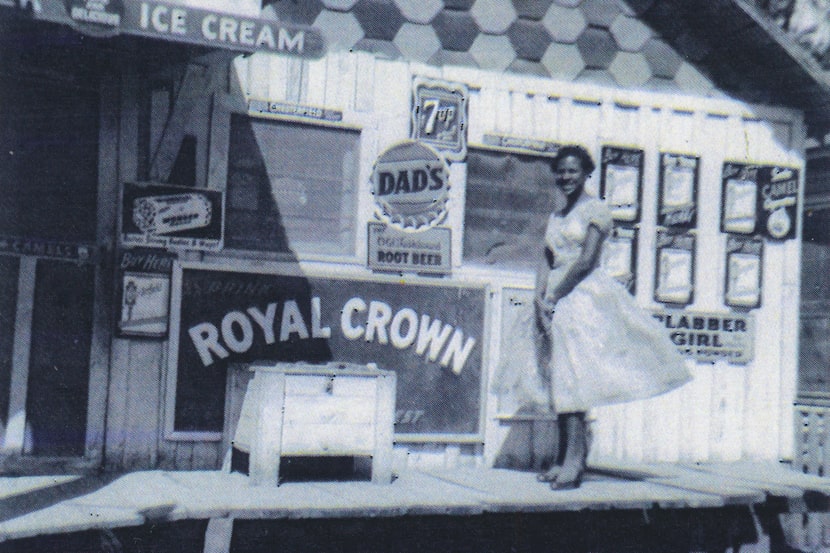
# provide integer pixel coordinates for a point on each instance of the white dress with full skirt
(604, 347)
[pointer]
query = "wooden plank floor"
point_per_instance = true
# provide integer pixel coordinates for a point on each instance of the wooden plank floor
(31, 506)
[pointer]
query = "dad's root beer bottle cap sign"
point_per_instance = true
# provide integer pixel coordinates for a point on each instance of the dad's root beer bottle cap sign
(410, 183)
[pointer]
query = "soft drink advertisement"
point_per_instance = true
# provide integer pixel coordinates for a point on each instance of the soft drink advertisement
(430, 334)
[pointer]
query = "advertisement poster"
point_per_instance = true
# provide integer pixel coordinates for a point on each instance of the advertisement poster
(164, 216)
(678, 191)
(619, 257)
(709, 337)
(144, 289)
(739, 202)
(675, 268)
(760, 199)
(393, 250)
(431, 335)
(410, 185)
(439, 116)
(621, 182)
(778, 202)
(744, 262)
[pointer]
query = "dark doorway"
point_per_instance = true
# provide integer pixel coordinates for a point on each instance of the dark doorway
(56, 403)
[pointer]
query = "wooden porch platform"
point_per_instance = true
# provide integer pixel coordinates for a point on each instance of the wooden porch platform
(32, 506)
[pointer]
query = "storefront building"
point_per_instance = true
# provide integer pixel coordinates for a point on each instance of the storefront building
(190, 191)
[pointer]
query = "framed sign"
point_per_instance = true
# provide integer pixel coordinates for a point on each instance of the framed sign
(519, 144)
(399, 251)
(739, 198)
(439, 116)
(744, 263)
(709, 337)
(430, 333)
(621, 181)
(778, 199)
(144, 291)
(678, 191)
(619, 257)
(410, 184)
(675, 268)
(161, 215)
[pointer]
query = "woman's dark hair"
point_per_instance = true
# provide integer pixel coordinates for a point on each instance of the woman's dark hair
(580, 153)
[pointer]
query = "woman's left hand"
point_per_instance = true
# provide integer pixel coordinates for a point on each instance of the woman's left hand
(546, 306)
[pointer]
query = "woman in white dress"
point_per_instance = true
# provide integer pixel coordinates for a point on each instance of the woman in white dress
(604, 348)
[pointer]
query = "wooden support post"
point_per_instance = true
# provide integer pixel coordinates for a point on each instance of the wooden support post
(16, 429)
(218, 535)
(384, 429)
(266, 448)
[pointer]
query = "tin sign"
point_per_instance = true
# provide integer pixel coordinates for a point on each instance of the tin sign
(172, 217)
(710, 336)
(410, 183)
(398, 251)
(439, 116)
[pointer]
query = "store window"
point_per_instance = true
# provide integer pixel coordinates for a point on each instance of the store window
(508, 200)
(291, 188)
(814, 343)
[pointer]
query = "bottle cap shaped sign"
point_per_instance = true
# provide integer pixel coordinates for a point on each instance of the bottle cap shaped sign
(410, 183)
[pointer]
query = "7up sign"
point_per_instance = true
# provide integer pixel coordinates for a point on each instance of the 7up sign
(439, 116)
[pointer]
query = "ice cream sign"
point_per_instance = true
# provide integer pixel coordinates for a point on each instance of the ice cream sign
(172, 217)
(181, 23)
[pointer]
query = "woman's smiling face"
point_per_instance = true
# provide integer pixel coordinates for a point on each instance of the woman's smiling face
(570, 177)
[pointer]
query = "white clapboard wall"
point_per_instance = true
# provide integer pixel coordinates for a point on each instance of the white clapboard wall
(729, 411)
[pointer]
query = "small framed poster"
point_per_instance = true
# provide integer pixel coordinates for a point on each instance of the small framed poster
(778, 200)
(619, 257)
(678, 191)
(144, 305)
(739, 205)
(675, 268)
(621, 179)
(439, 116)
(144, 289)
(744, 263)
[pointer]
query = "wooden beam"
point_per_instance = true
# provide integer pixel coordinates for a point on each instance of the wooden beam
(18, 388)
(198, 84)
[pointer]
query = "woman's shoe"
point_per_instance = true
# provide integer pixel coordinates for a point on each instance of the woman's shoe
(566, 484)
(550, 475)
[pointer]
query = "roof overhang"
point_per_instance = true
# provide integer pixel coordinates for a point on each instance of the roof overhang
(745, 53)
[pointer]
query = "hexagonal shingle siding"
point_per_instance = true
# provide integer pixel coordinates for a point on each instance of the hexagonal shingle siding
(594, 41)
(630, 70)
(340, 29)
(563, 61)
(597, 47)
(417, 42)
(564, 24)
(492, 52)
(298, 13)
(380, 19)
(529, 38)
(600, 13)
(494, 16)
(531, 9)
(456, 30)
(421, 11)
